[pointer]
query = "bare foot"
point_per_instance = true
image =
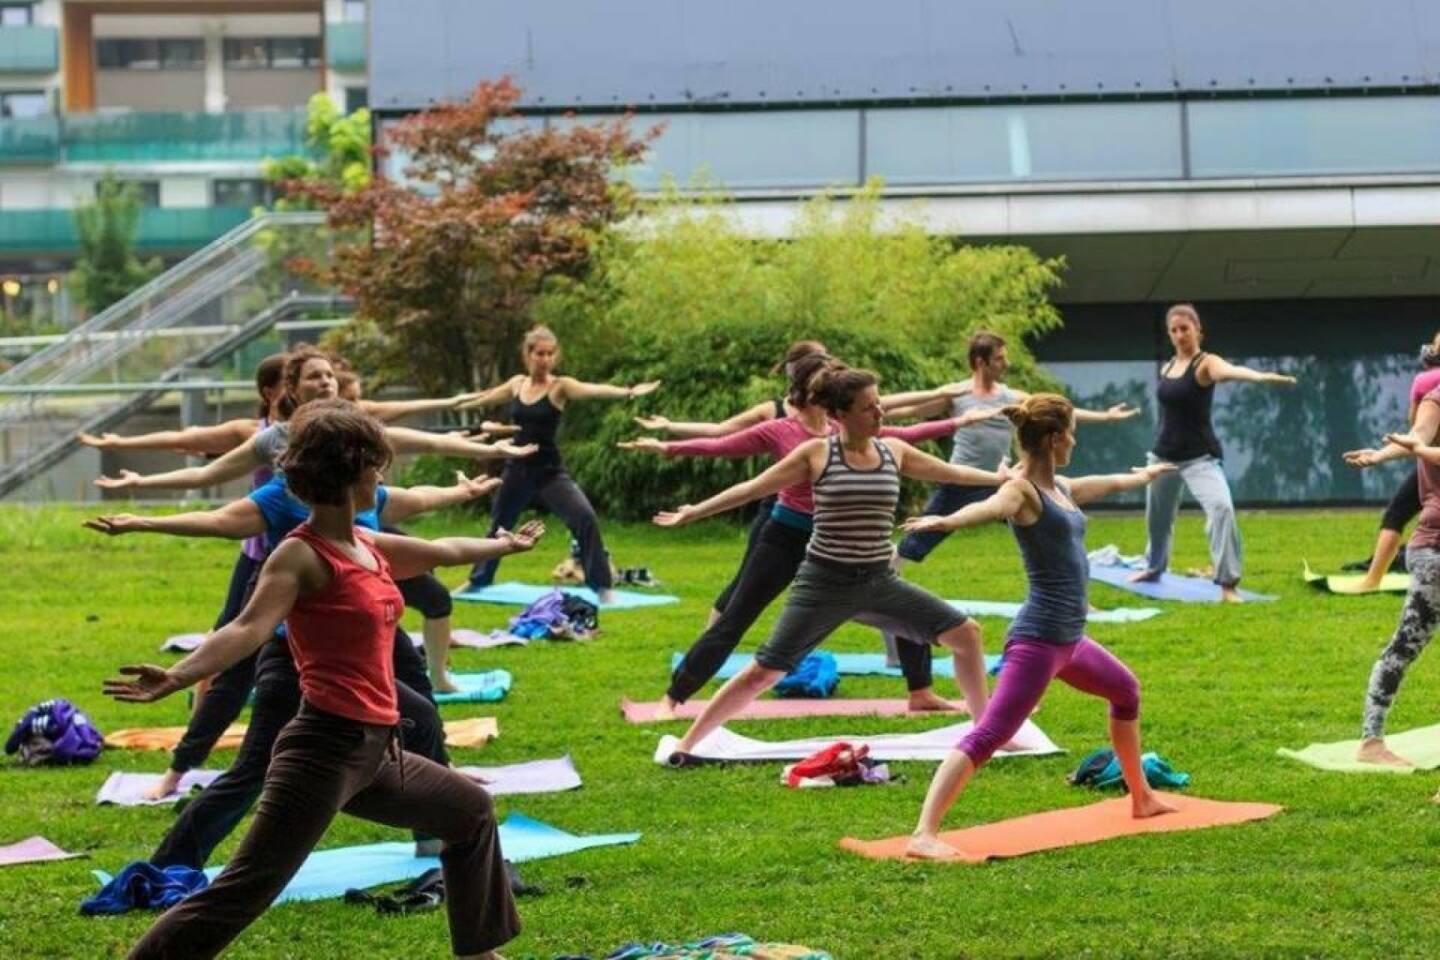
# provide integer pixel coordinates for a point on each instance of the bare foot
(1230, 595)
(606, 596)
(928, 700)
(665, 709)
(169, 783)
(924, 847)
(443, 684)
(1149, 805)
(1367, 584)
(1143, 576)
(1373, 750)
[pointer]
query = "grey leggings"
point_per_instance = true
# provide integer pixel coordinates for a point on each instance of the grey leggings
(1418, 620)
(1205, 478)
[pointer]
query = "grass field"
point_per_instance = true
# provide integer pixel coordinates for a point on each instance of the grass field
(1348, 870)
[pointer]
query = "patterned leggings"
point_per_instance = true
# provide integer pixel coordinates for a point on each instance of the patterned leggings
(1418, 620)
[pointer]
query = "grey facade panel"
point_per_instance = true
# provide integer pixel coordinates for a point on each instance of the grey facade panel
(644, 53)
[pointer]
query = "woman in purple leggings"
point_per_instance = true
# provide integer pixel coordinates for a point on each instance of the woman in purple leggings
(1047, 639)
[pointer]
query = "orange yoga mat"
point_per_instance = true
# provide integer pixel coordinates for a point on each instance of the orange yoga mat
(1071, 827)
(781, 709)
(475, 732)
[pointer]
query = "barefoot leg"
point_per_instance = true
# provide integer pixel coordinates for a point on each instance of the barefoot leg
(945, 787)
(737, 693)
(436, 633)
(928, 699)
(1144, 802)
(1374, 750)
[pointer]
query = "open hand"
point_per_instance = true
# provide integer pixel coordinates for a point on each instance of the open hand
(1284, 380)
(931, 524)
(127, 478)
(1122, 411)
(640, 389)
(115, 524)
(1362, 458)
(510, 450)
(1406, 440)
(654, 423)
(646, 444)
(148, 684)
(476, 486)
(675, 518)
(1153, 470)
(103, 441)
(523, 539)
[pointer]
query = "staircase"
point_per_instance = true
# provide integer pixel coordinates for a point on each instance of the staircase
(187, 319)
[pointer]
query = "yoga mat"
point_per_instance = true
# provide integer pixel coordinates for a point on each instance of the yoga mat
(168, 738)
(1420, 746)
(993, 608)
(329, 873)
(934, 745)
(524, 594)
(1348, 584)
(183, 642)
(475, 732)
(537, 776)
(783, 709)
(475, 640)
(849, 664)
(128, 789)
(1168, 587)
(487, 687)
(1071, 827)
(32, 850)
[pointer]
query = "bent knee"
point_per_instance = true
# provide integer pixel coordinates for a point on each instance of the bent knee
(1125, 699)
(962, 638)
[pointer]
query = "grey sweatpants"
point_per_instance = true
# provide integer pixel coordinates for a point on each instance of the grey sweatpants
(1206, 482)
(1417, 624)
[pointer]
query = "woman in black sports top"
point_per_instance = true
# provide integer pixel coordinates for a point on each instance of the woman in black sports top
(537, 398)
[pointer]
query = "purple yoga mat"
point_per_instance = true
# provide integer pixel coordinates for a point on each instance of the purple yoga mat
(475, 640)
(537, 776)
(33, 850)
(128, 789)
(183, 642)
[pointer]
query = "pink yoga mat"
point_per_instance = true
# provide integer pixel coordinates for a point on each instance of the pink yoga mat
(33, 850)
(779, 709)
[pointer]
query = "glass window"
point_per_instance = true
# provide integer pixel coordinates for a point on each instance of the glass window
(356, 98)
(287, 52)
(258, 53)
(244, 53)
(182, 54)
(168, 54)
(1340, 135)
(23, 103)
(148, 191)
(1039, 142)
(354, 11)
(239, 193)
(16, 15)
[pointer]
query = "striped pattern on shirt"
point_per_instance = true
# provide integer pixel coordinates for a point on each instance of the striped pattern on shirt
(855, 509)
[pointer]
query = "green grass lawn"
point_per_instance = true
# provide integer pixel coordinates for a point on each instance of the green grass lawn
(1349, 869)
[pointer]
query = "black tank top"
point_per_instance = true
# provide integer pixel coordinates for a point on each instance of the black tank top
(1185, 431)
(538, 423)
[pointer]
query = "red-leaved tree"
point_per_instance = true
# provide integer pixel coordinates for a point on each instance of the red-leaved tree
(444, 269)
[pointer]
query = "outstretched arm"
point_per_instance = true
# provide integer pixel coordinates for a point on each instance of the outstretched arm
(1397, 445)
(921, 466)
(234, 521)
(1218, 370)
(196, 441)
(569, 388)
(1120, 411)
(284, 575)
(402, 503)
(692, 429)
(1085, 489)
(390, 410)
(1003, 504)
(411, 556)
(231, 466)
(406, 440)
(797, 467)
(489, 398)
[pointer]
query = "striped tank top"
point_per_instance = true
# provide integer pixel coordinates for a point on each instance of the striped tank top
(855, 509)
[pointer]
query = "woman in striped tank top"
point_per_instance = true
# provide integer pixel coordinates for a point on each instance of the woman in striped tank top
(846, 573)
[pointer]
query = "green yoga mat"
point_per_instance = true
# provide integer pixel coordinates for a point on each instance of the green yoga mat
(1349, 584)
(1420, 746)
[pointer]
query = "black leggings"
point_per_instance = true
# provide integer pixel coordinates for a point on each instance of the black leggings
(1404, 505)
(762, 517)
(768, 570)
(552, 487)
(209, 818)
(428, 595)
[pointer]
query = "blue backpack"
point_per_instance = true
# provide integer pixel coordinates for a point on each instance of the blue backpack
(54, 732)
(815, 678)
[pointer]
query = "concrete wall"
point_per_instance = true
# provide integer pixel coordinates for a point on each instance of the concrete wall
(245, 89)
(150, 90)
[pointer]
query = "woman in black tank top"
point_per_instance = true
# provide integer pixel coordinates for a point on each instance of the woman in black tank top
(1186, 438)
(537, 398)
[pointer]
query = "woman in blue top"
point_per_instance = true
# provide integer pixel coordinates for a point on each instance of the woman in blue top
(1047, 638)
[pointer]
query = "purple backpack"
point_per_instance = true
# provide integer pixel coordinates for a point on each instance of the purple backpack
(54, 732)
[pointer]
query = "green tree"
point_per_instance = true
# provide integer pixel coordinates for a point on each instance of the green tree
(107, 267)
(338, 155)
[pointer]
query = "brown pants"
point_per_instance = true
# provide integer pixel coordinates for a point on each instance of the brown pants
(323, 764)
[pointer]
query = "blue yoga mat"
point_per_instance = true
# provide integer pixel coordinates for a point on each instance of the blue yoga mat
(487, 687)
(993, 608)
(329, 873)
(849, 664)
(524, 594)
(1168, 587)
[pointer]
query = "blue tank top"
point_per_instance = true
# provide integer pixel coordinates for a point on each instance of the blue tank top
(1053, 548)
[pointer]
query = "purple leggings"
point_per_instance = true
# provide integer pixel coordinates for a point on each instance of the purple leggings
(1029, 667)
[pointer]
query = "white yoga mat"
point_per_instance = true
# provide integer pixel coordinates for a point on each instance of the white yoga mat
(128, 789)
(537, 776)
(934, 745)
(475, 640)
(183, 642)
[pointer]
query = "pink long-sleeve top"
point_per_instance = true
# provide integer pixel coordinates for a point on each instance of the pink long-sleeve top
(779, 437)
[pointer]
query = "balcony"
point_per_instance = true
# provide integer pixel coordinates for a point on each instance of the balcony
(32, 49)
(345, 46)
(152, 137)
(30, 140)
(161, 229)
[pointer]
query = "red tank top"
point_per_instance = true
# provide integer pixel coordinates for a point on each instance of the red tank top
(341, 637)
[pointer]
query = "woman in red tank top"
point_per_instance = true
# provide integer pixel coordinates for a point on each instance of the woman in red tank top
(334, 588)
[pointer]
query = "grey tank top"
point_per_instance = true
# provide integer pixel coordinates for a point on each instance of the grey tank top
(1053, 548)
(982, 445)
(855, 509)
(271, 442)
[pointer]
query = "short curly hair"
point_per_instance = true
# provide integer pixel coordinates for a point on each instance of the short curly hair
(332, 443)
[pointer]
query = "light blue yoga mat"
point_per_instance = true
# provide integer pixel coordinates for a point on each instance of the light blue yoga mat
(329, 873)
(524, 594)
(1168, 587)
(993, 608)
(487, 687)
(849, 664)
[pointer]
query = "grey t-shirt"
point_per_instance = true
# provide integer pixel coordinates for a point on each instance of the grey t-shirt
(270, 443)
(982, 445)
